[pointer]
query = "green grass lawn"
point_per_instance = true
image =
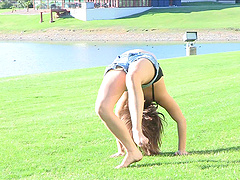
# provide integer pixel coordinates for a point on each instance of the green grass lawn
(204, 16)
(49, 129)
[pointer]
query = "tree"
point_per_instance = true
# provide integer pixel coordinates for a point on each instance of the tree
(24, 4)
(5, 4)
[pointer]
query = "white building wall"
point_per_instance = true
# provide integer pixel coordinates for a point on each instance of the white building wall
(105, 13)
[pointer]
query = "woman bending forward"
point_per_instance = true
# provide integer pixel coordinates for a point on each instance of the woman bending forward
(131, 77)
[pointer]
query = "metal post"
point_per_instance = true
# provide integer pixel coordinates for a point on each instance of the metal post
(41, 17)
(63, 4)
(33, 4)
(51, 20)
(191, 49)
(117, 3)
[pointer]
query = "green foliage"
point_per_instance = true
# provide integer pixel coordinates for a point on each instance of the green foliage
(20, 4)
(49, 130)
(5, 5)
(24, 3)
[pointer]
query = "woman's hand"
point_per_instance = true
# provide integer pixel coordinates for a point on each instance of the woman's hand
(181, 152)
(140, 139)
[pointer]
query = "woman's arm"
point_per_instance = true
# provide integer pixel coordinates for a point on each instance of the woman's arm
(176, 114)
(167, 102)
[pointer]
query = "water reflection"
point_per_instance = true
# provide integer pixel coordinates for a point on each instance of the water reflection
(20, 58)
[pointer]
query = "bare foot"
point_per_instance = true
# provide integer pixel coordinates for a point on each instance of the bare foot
(130, 158)
(117, 154)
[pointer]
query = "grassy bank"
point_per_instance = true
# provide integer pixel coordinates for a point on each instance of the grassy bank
(49, 129)
(205, 16)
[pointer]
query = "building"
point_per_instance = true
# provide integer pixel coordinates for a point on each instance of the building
(88, 10)
(47, 4)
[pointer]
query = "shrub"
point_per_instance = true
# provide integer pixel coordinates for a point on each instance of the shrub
(5, 5)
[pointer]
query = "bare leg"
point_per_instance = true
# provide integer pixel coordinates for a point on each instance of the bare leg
(119, 106)
(121, 151)
(111, 89)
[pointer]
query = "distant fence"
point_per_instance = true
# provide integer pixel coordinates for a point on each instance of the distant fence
(47, 4)
(121, 3)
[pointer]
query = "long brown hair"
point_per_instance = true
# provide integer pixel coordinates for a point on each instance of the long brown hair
(152, 126)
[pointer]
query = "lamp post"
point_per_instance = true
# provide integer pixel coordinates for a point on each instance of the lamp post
(190, 38)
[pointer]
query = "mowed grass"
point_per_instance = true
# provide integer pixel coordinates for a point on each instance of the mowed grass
(49, 130)
(203, 16)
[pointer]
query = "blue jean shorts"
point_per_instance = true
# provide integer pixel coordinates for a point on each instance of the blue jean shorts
(124, 60)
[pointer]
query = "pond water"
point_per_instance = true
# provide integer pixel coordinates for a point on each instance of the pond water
(21, 58)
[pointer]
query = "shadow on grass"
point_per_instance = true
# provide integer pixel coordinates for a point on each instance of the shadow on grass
(237, 148)
(66, 17)
(210, 3)
(207, 163)
(171, 154)
(186, 9)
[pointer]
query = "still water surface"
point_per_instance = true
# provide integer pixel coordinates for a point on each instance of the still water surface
(20, 58)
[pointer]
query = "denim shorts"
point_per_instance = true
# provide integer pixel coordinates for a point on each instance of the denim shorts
(124, 60)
